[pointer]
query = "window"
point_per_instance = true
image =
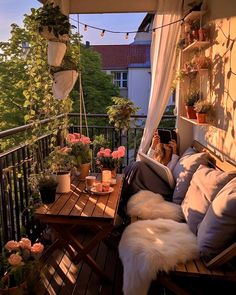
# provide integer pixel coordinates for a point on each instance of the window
(120, 79)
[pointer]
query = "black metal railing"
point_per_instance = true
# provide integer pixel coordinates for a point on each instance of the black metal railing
(16, 164)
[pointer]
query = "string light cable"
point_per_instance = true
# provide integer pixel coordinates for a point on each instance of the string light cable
(127, 33)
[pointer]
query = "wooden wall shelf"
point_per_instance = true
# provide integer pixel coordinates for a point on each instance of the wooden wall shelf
(196, 45)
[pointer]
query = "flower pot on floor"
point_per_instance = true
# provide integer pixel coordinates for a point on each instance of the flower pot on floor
(18, 290)
(56, 52)
(63, 83)
(63, 179)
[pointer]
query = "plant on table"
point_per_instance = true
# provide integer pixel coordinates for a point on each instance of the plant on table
(20, 263)
(107, 159)
(46, 184)
(59, 160)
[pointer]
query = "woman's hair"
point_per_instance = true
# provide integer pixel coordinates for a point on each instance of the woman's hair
(162, 154)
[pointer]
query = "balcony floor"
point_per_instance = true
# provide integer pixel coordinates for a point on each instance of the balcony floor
(62, 277)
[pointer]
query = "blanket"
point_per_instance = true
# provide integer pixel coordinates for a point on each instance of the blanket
(148, 205)
(149, 246)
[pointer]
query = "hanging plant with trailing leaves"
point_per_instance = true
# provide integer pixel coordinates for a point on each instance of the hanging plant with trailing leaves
(120, 112)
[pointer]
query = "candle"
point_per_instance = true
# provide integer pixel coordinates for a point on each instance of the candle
(106, 176)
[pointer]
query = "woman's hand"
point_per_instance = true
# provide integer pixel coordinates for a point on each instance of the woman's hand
(155, 140)
(173, 145)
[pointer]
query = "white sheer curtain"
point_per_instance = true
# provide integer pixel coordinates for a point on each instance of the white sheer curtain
(163, 55)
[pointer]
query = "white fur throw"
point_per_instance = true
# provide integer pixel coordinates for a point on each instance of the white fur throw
(148, 205)
(149, 246)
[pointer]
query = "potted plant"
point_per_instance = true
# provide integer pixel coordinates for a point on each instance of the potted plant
(110, 160)
(53, 25)
(20, 266)
(64, 77)
(120, 112)
(60, 163)
(202, 108)
(189, 101)
(81, 153)
(46, 184)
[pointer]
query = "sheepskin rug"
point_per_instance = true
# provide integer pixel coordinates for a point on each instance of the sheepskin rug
(149, 246)
(148, 205)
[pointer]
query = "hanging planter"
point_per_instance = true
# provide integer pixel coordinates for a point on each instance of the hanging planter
(51, 23)
(63, 83)
(64, 77)
(56, 52)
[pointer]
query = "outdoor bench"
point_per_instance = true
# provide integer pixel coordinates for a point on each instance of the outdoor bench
(212, 220)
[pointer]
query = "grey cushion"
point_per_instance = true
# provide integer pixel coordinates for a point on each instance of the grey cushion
(184, 170)
(205, 184)
(218, 228)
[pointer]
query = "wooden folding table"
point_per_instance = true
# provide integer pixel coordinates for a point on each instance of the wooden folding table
(76, 209)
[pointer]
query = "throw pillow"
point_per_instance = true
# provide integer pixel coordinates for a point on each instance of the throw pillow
(204, 186)
(184, 170)
(218, 228)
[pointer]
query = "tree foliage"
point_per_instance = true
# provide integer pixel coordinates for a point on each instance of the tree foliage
(26, 83)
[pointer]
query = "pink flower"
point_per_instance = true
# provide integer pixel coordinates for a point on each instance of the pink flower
(12, 245)
(15, 260)
(71, 137)
(115, 155)
(25, 243)
(85, 139)
(107, 153)
(37, 248)
(121, 151)
(76, 135)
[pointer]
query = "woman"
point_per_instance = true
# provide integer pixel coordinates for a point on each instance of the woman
(140, 176)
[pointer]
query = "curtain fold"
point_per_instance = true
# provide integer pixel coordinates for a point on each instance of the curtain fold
(163, 56)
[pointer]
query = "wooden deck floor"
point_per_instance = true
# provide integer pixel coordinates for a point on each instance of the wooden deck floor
(62, 277)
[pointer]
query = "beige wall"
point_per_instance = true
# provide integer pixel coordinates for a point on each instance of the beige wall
(221, 138)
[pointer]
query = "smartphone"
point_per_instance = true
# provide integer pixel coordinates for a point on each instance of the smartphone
(165, 135)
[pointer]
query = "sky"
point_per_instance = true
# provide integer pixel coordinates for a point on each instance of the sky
(12, 11)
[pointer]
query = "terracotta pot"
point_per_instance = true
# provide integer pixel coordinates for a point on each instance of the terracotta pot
(191, 113)
(201, 118)
(202, 34)
(84, 170)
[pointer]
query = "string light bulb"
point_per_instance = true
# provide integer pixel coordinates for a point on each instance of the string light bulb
(102, 33)
(85, 28)
(126, 35)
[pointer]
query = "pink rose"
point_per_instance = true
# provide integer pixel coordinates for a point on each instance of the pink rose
(85, 139)
(70, 137)
(15, 260)
(77, 135)
(100, 154)
(107, 153)
(25, 243)
(115, 155)
(12, 245)
(121, 151)
(37, 248)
